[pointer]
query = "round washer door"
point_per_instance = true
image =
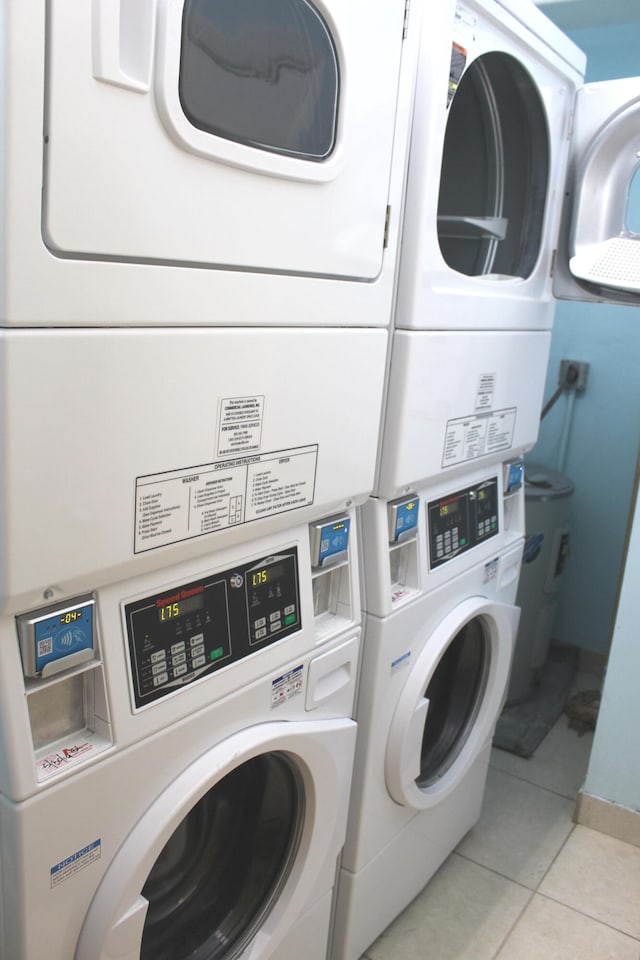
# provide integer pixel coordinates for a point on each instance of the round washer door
(232, 852)
(450, 702)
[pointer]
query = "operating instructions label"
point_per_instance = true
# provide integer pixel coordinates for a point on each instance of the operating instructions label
(478, 435)
(183, 504)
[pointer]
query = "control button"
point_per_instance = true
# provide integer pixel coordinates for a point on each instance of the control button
(178, 647)
(160, 679)
(262, 632)
(158, 668)
(262, 622)
(196, 639)
(179, 658)
(291, 608)
(180, 671)
(288, 620)
(277, 615)
(275, 626)
(158, 656)
(198, 651)
(198, 662)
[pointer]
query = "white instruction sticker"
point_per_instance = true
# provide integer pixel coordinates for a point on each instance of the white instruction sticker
(75, 863)
(287, 686)
(188, 503)
(486, 389)
(240, 429)
(478, 435)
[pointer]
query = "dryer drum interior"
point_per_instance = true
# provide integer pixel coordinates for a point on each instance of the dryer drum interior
(455, 693)
(495, 171)
(223, 868)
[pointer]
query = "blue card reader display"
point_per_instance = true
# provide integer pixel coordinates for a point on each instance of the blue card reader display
(57, 637)
(403, 519)
(329, 541)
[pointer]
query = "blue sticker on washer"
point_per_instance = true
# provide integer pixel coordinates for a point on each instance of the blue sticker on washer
(288, 685)
(75, 863)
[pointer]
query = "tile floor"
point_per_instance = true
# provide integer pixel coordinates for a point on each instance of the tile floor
(527, 883)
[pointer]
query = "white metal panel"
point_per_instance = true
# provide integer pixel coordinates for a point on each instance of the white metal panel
(91, 417)
(448, 391)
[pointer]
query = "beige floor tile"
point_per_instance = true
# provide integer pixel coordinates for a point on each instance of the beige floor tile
(550, 931)
(559, 763)
(463, 914)
(521, 830)
(599, 876)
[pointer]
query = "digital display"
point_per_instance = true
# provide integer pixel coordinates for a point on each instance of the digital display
(452, 506)
(71, 616)
(169, 612)
(257, 578)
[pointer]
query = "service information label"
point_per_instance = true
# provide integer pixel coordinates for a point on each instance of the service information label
(240, 428)
(188, 503)
(478, 435)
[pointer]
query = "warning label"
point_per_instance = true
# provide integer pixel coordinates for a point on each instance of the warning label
(287, 686)
(182, 504)
(54, 762)
(240, 428)
(478, 435)
(75, 863)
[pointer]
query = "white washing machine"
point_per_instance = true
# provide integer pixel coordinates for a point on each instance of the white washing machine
(433, 680)
(177, 751)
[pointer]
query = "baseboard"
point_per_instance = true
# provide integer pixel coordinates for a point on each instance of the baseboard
(609, 818)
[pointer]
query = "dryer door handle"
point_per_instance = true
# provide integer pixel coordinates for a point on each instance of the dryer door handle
(413, 741)
(123, 33)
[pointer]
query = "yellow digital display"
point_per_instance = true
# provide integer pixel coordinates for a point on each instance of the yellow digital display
(258, 577)
(71, 617)
(178, 608)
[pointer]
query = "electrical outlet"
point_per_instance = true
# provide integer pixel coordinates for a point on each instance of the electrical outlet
(573, 375)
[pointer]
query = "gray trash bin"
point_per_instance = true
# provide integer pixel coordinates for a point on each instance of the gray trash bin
(547, 494)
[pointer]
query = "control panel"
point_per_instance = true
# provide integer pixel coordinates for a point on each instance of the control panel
(193, 629)
(57, 637)
(461, 520)
(403, 519)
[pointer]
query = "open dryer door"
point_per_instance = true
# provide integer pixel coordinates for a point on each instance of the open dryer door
(598, 257)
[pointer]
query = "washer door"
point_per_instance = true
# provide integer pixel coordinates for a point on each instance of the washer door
(231, 854)
(451, 701)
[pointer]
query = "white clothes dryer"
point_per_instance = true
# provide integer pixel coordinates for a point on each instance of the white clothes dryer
(195, 162)
(504, 137)
(433, 680)
(177, 754)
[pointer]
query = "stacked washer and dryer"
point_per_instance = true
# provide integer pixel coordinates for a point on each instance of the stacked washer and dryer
(443, 533)
(201, 205)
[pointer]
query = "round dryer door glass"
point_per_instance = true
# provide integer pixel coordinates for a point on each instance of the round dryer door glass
(261, 72)
(495, 171)
(455, 694)
(222, 869)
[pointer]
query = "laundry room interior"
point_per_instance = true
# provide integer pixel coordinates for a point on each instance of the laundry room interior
(319, 527)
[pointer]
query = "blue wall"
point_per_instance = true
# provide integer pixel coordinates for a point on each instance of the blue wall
(603, 441)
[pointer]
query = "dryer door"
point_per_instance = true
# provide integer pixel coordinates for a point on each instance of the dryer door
(451, 701)
(253, 134)
(599, 249)
(228, 857)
